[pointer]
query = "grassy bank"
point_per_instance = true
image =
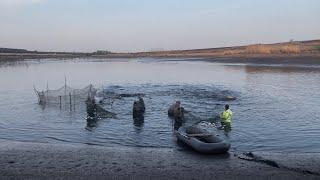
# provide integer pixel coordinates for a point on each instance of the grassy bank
(302, 49)
(294, 48)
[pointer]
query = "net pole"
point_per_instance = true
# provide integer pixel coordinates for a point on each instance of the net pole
(70, 101)
(65, 88)
(60, 101)
(74, 101)
(47, 92)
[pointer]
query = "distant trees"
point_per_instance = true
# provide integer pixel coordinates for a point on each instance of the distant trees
(102, 52)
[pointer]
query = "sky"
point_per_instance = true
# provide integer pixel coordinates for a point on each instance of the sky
(144, 25)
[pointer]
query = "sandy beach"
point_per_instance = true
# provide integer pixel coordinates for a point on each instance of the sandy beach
(22, 160)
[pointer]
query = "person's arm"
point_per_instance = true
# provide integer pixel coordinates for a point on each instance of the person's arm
(230, 114)
(223, 115)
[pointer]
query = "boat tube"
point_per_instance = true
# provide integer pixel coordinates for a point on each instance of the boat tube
(203, 143)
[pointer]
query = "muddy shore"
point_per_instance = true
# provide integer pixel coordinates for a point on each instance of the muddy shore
(21, 160)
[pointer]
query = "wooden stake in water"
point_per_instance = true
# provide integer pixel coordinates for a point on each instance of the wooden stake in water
(60, 101)
(74, 101)
(70, 102)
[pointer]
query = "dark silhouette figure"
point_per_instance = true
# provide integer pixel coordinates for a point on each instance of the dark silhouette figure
(91, 108)
(138, 108)
(176, 111)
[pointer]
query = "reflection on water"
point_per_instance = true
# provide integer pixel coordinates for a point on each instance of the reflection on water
(138, 122)
(13, 63)
(281, 69)
(276, 108)
(177, 124)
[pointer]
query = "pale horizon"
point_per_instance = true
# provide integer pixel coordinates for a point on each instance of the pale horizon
(127, 26)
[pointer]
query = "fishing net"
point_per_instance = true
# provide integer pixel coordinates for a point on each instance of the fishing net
(65, 96)
(72, 99)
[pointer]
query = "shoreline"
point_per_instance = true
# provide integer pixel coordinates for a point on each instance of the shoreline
(21, 160)
(248, 59)
(309, 49)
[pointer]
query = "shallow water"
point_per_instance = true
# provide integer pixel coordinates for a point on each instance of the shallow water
(277, 107)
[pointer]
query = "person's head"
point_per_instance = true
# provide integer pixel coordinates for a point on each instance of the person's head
(226, 107)
(178, 103)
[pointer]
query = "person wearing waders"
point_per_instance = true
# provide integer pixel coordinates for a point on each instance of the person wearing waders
(226, 117)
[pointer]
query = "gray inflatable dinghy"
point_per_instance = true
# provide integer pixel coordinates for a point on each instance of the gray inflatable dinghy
(203, 143)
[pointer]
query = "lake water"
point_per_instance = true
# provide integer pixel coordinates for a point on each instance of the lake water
(276, 110)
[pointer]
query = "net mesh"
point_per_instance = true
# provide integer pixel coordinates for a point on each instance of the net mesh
(65, 96)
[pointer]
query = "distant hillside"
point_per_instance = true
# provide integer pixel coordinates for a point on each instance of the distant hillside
(287, 48)
(10, 50)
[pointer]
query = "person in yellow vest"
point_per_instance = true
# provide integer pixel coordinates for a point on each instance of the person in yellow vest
(226, 117)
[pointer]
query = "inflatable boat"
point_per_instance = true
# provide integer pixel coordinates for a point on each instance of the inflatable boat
(203, 143)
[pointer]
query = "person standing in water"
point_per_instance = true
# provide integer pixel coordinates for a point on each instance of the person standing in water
(226, 117)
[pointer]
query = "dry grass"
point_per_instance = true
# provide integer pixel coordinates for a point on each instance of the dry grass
(286, 48)
(258, 49)
(290, 49)
(273, 49)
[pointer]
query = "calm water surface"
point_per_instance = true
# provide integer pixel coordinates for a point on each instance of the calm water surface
(277, 108)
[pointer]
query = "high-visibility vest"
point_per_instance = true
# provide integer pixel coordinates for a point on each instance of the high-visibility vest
(226, 116)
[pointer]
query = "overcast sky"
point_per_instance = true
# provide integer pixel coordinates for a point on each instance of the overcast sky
(139, 25)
